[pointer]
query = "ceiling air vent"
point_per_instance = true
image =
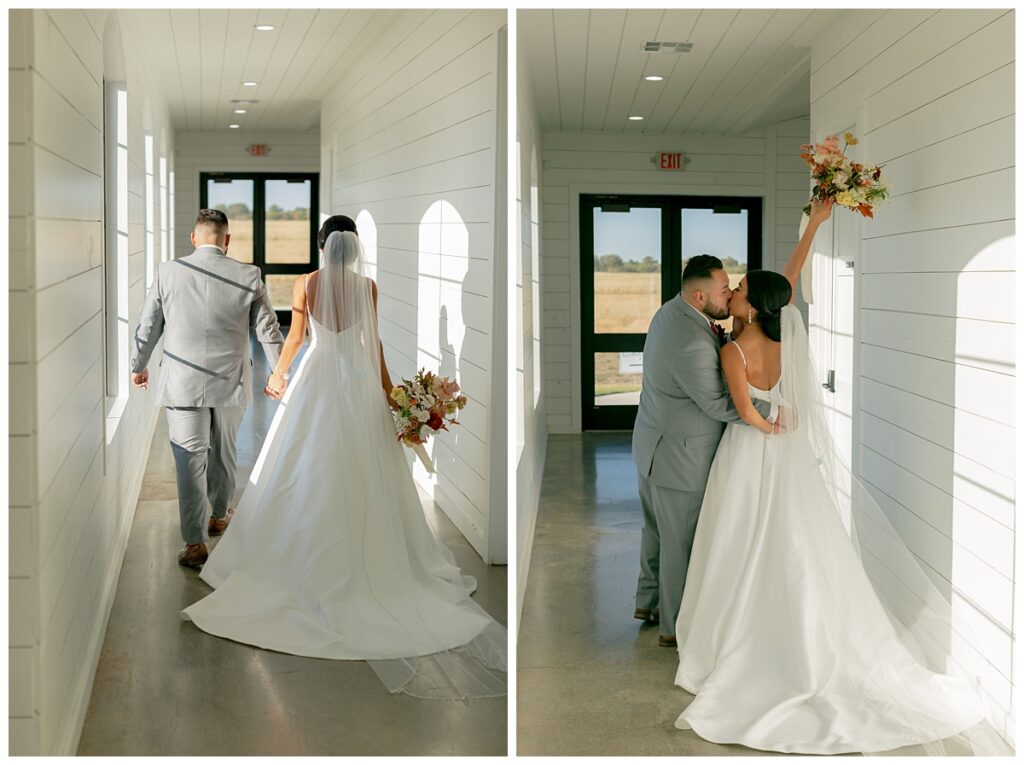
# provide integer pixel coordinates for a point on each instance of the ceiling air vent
(244, 101)
(667, 47)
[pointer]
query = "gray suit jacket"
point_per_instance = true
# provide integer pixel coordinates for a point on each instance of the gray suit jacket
(204, 305)
(684, 400)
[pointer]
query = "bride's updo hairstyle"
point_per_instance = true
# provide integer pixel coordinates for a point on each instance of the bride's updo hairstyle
(768, 293)
(332, 224)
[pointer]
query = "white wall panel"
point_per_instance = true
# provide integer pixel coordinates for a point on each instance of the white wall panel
(935, 322)
(70, 542)
(412, 133)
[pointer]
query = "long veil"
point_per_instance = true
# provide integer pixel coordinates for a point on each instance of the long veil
(931, 625)
(343, 309)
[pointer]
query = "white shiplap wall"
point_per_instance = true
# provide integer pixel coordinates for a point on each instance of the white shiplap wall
(75, 474)
(409, 141)
(227, 151)
(764, 163)
(532, 420)
(932, 95)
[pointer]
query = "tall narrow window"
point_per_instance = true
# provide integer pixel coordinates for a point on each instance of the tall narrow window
(163, 208)
(170, 216)
(115, 257)
(150, 213)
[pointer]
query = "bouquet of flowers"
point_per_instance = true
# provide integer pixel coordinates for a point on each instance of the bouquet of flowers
(854, 185)
(427, 404)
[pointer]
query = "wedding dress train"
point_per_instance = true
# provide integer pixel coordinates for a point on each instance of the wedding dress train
(806, 626)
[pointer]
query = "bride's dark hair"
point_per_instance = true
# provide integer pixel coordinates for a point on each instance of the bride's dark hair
(768, 292)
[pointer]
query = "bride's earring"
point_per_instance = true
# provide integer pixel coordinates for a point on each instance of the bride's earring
(750, 316)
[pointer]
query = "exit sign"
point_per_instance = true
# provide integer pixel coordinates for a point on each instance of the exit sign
(259, 149)
(670, 160)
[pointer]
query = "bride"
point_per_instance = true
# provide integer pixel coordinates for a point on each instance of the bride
(329, 554)
(806, 625)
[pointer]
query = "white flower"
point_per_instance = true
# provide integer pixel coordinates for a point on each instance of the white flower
(422, 415)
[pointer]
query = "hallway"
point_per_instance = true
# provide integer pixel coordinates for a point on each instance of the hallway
(164, 687)
(124, 123)
(591, 679)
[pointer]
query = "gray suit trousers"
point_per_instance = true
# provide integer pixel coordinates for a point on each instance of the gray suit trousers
(670, 523)
(205, 455)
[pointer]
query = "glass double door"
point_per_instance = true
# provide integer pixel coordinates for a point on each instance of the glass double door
(273, 219)
(633, 249)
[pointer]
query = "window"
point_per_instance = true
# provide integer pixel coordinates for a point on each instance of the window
(273, 222)
(169, 252)
(115, 251)
(150, 213)
(163, 208)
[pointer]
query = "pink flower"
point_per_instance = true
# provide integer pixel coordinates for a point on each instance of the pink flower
(448, 389)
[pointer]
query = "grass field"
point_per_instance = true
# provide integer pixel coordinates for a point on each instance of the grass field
(287, 241)
(625, 302)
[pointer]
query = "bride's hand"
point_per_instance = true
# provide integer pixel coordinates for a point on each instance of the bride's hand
(821, 211)
(275, 387)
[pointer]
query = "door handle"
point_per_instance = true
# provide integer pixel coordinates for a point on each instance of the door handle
(830, 383)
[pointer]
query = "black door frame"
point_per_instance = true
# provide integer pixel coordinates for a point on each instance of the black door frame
(259, 253)
(622, 417)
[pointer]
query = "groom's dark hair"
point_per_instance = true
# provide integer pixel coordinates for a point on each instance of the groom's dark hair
(332, 224)
(213, 219)
(700, 267)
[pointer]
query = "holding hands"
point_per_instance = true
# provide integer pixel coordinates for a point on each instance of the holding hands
(276, 386)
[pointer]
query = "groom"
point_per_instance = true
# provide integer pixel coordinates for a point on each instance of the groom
(204, 305)
(684, 406)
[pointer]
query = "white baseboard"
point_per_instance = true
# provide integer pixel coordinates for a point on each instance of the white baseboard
(66, 741)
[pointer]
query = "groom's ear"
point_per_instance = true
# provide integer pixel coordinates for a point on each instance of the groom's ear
(227, 239)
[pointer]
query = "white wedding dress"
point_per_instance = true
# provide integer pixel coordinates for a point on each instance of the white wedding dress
(805, 625)
(329, 553)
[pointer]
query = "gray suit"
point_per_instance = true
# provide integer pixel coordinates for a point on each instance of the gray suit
(684, 407)
(204, 306)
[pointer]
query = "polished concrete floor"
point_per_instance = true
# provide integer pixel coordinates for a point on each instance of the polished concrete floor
(591, 679)
(164, 687)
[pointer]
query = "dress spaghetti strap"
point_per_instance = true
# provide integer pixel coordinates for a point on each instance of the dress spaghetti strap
(741, 353)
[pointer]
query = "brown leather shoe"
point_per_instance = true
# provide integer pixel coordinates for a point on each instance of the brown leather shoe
(646, 615)
(218, 526)
(193, 556)
(667, 641)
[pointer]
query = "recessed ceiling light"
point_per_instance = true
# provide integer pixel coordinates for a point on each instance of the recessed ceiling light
(239, 111)
(234, 126)
(264, 28)
(249, 84)
(636, 119)
(654, 78)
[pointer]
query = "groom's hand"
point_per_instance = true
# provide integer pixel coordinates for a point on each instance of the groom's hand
(141, 379)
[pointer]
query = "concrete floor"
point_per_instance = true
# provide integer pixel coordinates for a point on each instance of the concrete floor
(591, 679)
(164, 687)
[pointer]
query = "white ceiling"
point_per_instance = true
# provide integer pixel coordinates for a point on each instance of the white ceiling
(747, 68)
(202, 57)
